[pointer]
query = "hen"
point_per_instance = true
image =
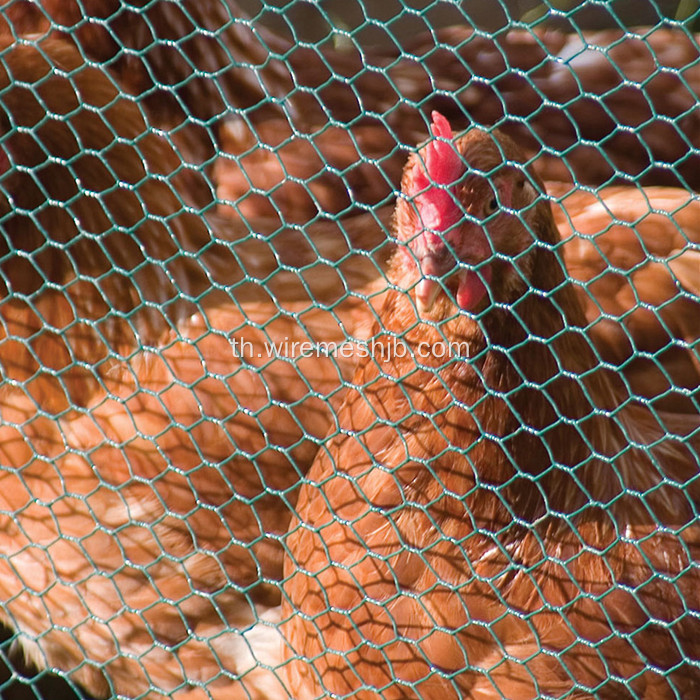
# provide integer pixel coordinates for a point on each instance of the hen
(151, 440)
(589, 105)
(271, 171)
(491, 518)
(176, 56)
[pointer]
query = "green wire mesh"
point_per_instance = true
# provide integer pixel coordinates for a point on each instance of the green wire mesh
(255, 151)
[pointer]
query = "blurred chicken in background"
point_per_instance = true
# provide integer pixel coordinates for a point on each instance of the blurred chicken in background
(192, 61)
(636, 254)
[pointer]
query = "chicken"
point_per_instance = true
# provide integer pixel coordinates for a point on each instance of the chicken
(151, 438)
(490, 517)
(591, 105)
(296, 178)
(652, 72)
(601, 103)
(178, 57)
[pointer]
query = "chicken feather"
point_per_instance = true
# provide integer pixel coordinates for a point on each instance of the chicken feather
(635, 253)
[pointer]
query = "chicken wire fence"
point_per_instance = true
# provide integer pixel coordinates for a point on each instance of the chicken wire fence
(197, 220)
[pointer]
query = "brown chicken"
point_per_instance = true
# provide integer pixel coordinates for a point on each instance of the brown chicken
(296, 178)
(490, 517)
(179, 57)
(600, 105)
(151, 441)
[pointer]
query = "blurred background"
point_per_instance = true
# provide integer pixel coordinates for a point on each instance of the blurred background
(391, 21)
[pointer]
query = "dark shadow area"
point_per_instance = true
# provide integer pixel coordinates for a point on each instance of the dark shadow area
(22, 681)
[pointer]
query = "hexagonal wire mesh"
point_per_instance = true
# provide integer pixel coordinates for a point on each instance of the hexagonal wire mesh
(200, 318)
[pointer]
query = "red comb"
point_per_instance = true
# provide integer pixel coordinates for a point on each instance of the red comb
(441, 158)
(442, 165)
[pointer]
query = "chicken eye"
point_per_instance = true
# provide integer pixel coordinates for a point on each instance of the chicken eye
(491, 206)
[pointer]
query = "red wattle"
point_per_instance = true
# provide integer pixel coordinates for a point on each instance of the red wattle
(472, 288)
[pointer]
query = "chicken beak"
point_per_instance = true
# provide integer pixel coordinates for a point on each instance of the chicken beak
(426, 293)
(435, 262)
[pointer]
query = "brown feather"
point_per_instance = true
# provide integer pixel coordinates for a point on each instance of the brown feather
(633, 250)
